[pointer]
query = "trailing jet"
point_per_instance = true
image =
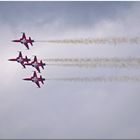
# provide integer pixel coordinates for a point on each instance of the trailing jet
(35, 79)
(36, 64)
(20, 59)
(25, 41)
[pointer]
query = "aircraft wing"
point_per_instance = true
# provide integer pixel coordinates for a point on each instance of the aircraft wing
(37, 83)
(34, 75)
(23, 36)
(26, 44)
(23, 65)
(35, 59)
(38, 69)
(20, 54)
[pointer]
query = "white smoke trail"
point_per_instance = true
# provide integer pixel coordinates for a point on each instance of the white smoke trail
(119, 65)
(96, 62)
(114, 59)
(111, 40)
(41, 41)
(100, 79)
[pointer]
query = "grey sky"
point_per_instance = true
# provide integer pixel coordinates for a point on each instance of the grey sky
(68, 109)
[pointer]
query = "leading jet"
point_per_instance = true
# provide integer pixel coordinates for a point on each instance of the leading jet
(35, 79)
(25, 41)
(20, 59)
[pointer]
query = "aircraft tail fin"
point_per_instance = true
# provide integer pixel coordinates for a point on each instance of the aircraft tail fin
(42, 79)
(42, 64)
(30, 41)
(27, 59)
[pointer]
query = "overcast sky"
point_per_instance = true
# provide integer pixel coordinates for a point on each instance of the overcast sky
(61, 109)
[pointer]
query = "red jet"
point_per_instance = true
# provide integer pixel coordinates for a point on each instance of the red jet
(36, 79)
(21, 60)
(36, 64)
(25, 41)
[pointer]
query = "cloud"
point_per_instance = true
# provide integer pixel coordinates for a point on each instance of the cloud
(62, 109)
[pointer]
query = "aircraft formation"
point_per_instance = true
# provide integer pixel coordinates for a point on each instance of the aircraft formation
(103, 62)
(25, 61)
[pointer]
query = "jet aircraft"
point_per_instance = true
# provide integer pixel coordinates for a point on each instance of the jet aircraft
(36, 64)
(35, 79)
(20, 59)
(25, 41)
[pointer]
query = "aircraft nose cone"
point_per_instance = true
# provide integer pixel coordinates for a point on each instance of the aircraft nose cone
(25, 79)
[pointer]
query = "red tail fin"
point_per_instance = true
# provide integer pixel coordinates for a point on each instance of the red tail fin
(27, 59)
(42, 80)
(41, 64)
(30, 41)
